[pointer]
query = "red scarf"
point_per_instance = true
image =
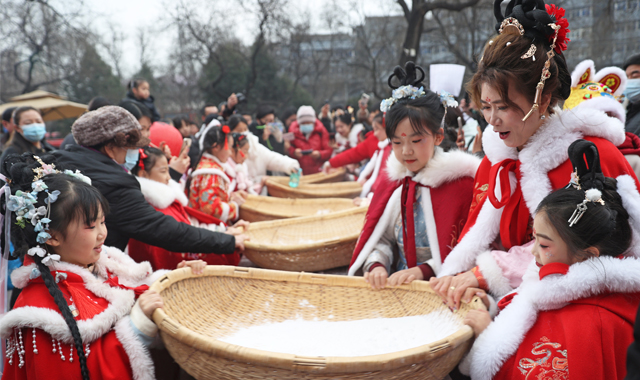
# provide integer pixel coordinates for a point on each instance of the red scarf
(408, 223)
(514, 222)
(114, 282)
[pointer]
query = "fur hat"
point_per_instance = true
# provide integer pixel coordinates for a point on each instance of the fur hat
(306, 114)
(103, 124)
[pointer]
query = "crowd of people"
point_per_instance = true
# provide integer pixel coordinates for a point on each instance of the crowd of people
(522, 192)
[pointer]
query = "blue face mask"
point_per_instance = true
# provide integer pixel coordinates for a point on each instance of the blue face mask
(34, 132)
(306, 128)
(132, 158)
(632, 92)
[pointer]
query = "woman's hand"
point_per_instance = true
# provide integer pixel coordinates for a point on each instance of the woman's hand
(180, 163)
(149, 301)
(405, 276)
(477, 143)
(452, 288)
(471, 292)
(197, 266)
(460, 142)
(297, 152)
(240, 239)
(315, 155)
(478, 320)
(377, 278)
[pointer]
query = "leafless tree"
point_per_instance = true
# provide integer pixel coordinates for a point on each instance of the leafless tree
(40, 43)
(415, 17)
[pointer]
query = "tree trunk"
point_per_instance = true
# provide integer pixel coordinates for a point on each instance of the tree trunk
(411, 46)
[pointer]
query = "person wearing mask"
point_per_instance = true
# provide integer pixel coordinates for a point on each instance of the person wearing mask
(310, 145)
(108, 142)
(29, 133)
(632, 93)
(7, 126)
(268, 133)
(93, 105)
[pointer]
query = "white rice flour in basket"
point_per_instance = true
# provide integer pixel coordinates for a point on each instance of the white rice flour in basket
(346, 338)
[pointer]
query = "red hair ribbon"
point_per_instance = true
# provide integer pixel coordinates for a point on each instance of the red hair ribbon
(143, 155)
(226, 130)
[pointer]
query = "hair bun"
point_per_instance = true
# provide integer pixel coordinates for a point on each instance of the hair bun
(531, 14)
(585, 159)
(407, 76)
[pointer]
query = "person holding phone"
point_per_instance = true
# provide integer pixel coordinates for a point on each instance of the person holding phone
(310, 145)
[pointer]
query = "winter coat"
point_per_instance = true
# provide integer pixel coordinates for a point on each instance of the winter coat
(21, 145)
(318, 140)
(632, 124)
(447, 186)
(541, 166)
(148, 102)
(171, 200)
(211, 188)
(372, 175)
(106, 321)
(240, 174)
(261, 159)
(360, 152)
(131, 216)
(567, 322)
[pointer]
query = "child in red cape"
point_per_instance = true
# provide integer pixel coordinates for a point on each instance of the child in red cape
(77, 316)
(168, 197)
(421, 213)
(573, 319)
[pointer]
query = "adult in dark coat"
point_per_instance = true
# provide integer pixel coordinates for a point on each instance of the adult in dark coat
(632, 92)
(104, 137)
(262, 128)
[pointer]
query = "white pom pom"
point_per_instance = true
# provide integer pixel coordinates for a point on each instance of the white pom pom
(593, 195)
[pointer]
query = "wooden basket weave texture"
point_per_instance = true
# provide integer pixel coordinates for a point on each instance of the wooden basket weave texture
(336, 176)
(313, 190)
(198, 310)
(310, 243)
(260, 208)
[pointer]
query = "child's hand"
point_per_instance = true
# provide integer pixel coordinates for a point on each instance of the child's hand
(451, 288)
(241, 224)
(478, 320)
(242, 193)
(377, 278)
(197, 266)
(235, 197)
(149, 301)
(180, 163)
(471, 292)
(405, 276)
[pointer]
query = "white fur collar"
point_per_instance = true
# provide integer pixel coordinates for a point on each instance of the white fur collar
(558, 131)
(383, 144)
(121, 301)
(160, 195)
(590, 278)
(442, 168)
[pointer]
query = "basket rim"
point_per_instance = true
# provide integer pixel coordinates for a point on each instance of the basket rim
(301, 190)
(332, 364)
(315, 177)
(304, 219)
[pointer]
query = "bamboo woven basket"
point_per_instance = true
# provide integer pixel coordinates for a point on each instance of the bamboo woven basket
(198, 310)
(259, 208)
(310, 243)
(337, 175)
(314, 190)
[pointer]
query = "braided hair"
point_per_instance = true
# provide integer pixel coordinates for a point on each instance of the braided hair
(77, 201)
(605, 227)
(425, 113)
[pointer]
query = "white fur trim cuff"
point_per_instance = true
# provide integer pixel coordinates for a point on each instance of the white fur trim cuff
(497, 282)
(142, 323)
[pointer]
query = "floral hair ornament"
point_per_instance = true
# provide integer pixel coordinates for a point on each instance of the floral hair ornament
(447, 101)
(403, 92)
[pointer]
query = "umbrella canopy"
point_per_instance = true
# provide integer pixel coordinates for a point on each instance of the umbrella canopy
(52, 106)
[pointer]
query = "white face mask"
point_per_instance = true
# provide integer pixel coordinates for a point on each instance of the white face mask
(632, 91)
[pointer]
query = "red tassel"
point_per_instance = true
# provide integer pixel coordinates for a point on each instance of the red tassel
(143, 156)
(87, 308)
(226, 130)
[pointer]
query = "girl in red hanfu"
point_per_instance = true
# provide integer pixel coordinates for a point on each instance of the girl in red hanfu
(525, 145)
(236, 167)
(574, 319)
(84, 310)
(211, 189)
(167, 196)
(420, 214)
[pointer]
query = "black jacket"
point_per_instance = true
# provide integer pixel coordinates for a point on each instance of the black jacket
(271, 143)
(131, 216)
(21, 145)
(148, 102)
